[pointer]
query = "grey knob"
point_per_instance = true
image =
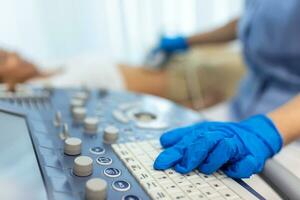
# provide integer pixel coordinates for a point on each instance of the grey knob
(111, 134)
(96, 189)
(72, 146)
(91, 125)
(57, 119)
(79, 114)
(83, 166)
(76, 103)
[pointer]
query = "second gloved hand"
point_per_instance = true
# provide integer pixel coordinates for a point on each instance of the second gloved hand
(240, 149)
(171, 45)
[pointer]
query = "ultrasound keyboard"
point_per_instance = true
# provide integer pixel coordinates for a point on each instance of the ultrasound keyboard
(96, 144)
(139, 157)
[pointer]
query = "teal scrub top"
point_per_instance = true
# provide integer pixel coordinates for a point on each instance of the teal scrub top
(270, 34)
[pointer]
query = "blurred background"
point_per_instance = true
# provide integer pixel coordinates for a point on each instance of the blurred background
(53, 31)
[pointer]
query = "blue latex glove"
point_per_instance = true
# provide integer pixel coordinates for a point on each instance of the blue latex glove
(240, 149)
(171, 45)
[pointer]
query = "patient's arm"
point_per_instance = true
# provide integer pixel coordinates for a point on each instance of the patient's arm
(223, 34)
(287, 121)
(139, 79)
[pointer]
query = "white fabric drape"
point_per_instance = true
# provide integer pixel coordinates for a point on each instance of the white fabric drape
(123, 29)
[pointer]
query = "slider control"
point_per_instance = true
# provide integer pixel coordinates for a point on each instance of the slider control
(65, 132)
(57, 119)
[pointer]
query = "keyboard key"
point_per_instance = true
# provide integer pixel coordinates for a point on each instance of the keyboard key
(228, 194)
(217, 185)
(159, 195)
(209, 192)
(150, 185)
(181, 181)
(220, 175)
(207, 177)
(198, 197)
(189, 189)
(199, 183)
(178, 196)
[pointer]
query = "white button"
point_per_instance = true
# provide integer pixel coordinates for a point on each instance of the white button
(111, 134)
(72, 146)
(76, 103)
(83, 96)
(83, 166)
(79, 114)
(96, 189)
(91, 125)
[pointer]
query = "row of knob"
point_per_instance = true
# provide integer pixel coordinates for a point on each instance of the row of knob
(72, 145)
(79, 115)
(96, 188)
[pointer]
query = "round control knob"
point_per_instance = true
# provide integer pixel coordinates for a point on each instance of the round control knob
(76, 103)
(83, 96)
(72, 146)
(83, 166)
(111, 134)
(79, 114)
(96, 189)
(91, 125)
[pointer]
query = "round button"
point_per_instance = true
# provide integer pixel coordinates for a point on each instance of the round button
(96, 189)
(112, 172)
(91, 125)
(79, 114)
(76, 103)
(111, 134)
(130, 197)
(72, 146)
(83, 166)
(97, 150)
(83, 96)
(121, 186)
(102, 160)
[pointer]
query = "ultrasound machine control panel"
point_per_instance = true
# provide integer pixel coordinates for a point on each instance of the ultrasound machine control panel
(96, 144)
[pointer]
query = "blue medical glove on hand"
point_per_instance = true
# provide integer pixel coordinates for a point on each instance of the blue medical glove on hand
(170, 45)
(240, 149)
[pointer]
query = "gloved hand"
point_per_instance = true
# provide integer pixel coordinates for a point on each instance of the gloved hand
(240, 149)
(170, 45)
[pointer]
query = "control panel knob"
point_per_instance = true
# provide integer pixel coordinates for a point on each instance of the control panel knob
(57, 119)
(83, 96)
(79, 114)
(83, 166)
(72, 146)
(111, 134)
(96, 189)
(76, 103)
(91, 125)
